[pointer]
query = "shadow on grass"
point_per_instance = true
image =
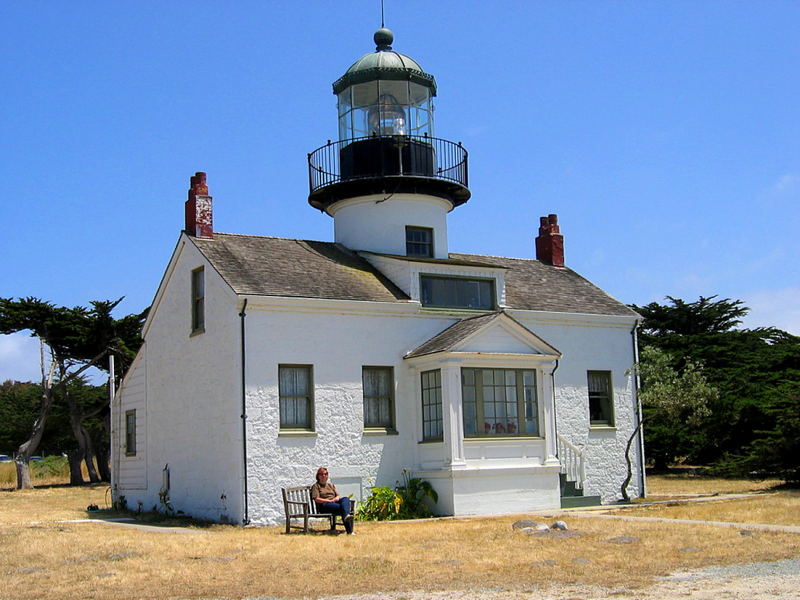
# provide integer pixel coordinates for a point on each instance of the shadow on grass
(56, 486)
(149, 519)
(788, 486)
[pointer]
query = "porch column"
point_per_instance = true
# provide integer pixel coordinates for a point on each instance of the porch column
(549, 406)
(452, 416)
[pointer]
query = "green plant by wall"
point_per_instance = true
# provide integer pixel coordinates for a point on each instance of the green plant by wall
(383, 504)
(407, 501)
(415, 494)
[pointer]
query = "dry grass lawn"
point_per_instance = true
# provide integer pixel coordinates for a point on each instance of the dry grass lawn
(45, 559)
(777, 508)
(661, 486)
(42, 474)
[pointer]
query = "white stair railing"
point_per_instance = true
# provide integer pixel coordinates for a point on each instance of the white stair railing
(572, 462)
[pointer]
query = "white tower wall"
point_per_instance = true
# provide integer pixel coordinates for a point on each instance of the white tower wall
(378, 223)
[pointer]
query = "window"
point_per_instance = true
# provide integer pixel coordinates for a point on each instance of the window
(499, 402)
(378, 385)
(296, 399)
(419, 241)
(198, 300)
(456, 292)
(130, 433)
(432, 405)
(601, 411)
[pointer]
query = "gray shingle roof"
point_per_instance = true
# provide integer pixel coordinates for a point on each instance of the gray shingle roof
(532, 285)
(450, 337)
(268, 266)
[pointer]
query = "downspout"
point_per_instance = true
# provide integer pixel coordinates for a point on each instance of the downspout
(111, 419)
(555, 412)
(242, 315)
(636, 388)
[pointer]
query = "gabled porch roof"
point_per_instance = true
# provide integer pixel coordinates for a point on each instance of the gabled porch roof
(460, 333)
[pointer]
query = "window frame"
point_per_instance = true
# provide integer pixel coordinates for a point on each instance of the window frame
(427, 243)
(388, 426)
(436, 405)
(130, 432)
(596, 396)
(480, 402)
(198, 302)
(490, 280)
(309, 398)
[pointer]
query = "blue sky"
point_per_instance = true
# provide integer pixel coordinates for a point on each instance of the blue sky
(664, 134)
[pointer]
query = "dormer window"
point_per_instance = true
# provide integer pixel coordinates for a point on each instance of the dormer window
(419, 241)
(457, 292)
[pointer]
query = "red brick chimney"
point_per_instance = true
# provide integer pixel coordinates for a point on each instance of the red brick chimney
(199, 219)
(550, 242)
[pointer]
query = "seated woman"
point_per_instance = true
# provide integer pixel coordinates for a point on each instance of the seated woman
(323, 492)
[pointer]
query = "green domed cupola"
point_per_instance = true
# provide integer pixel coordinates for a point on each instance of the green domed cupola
(386, 135)
(385, 93)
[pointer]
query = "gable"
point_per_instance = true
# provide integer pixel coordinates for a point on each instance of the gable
(492, 333)
(499, 339)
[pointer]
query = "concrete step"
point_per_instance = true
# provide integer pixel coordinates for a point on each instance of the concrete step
(578, 501)
(568, 488)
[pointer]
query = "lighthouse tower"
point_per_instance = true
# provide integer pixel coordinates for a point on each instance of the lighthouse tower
(388, 182)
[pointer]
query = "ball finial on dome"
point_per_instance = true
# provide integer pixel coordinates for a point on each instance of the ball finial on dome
(383, 39)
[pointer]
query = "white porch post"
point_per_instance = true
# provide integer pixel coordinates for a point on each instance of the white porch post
(452, 417)
(549, 405)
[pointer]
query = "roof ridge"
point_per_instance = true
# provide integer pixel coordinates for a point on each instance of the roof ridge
(495, 256)
(273, 237)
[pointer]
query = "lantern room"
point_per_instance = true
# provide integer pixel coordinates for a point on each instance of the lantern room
(385, 93)
(386, 137)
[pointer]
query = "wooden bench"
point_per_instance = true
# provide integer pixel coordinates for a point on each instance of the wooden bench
(297, 504)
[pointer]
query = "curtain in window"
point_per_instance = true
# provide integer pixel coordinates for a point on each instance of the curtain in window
(377, 384)
(598, 383)
(294, 396)
(600, 412)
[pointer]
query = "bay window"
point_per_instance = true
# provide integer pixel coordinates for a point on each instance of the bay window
(499, 402)
(432, 425)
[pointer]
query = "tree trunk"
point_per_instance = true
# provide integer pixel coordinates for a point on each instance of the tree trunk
(103, 462)
(85, 449)
(624, 487)
(103, 449)
(27, 448)
(84, 452)
(75, 459)
(660, 463)
(23, 473)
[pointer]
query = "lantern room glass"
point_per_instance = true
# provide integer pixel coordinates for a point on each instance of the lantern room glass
(384, 108)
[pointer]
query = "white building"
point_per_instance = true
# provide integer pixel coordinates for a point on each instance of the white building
(382, 351)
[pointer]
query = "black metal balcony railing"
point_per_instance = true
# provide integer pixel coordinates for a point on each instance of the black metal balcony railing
(382, 156)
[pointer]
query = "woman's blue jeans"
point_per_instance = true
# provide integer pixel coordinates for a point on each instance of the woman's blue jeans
(341, 508)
